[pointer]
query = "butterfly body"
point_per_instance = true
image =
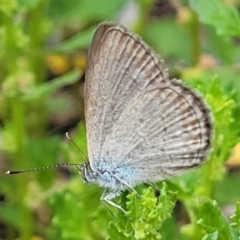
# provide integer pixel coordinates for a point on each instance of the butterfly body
(109, 177)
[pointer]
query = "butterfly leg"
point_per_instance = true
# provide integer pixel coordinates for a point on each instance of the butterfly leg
(106, 206)
(126, 184)
(108, 195)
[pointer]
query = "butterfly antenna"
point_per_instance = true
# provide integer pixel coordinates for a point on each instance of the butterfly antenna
(68, 137)
(77, 165)
(43, 168)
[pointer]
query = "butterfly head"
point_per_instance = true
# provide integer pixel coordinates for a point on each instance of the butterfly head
(86, 172)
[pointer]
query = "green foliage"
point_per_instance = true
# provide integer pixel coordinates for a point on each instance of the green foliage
(236, 217)
(57, 204)
(166, 43)
(85, 10)
(80, 40)
(225, 19)
(225, 134)
(47, 88)
(213, 222)
(146, 223)
(80, 221)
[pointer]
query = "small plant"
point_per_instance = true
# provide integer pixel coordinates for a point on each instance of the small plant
(43, 55)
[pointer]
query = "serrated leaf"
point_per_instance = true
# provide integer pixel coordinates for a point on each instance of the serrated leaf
(145, 215)
(212, 220)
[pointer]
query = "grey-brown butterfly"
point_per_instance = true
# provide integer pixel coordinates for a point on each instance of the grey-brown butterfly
(141, 126)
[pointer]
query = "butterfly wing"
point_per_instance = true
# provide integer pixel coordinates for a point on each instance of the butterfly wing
(120, 67)
(163, 132)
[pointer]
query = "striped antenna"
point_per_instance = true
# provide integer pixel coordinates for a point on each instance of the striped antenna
(68, 137)
(77, 165)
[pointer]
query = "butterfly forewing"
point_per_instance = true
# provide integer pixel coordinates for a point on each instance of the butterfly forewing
(138, 120)
(120, 68)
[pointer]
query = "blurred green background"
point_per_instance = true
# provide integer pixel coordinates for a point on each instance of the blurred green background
(43, 49)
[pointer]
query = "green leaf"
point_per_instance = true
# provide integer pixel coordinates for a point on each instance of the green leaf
(75, 216)
(145, 215)
(236, 217)
(211, 236)
(225, 19)
(65, 199)
(212, 220)
(49, 87)
(85, 10)
(79, 41)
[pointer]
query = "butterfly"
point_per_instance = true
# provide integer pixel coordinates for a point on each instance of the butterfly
(141, 126)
